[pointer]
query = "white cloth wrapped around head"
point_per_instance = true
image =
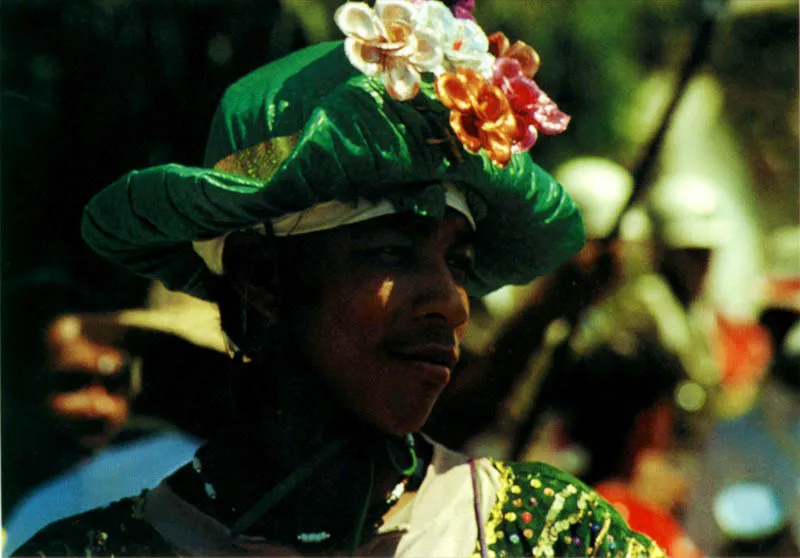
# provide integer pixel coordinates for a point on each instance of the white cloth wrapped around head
(321, 217)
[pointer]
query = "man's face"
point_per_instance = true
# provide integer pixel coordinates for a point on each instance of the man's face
(387, 312)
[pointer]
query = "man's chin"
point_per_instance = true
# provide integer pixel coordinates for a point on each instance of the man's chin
(405, 423)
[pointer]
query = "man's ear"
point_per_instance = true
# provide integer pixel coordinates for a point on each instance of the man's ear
(250, 261)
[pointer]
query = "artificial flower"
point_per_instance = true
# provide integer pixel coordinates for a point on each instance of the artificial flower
(526, 55)
(462, 40)
(463, 9)
(386, 41)
(533, 110)
(480, 114)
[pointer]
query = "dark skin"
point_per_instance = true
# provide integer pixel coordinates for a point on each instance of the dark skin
(365, 324)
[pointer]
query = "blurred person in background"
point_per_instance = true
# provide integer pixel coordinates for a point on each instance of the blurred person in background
(37, 444)
(643, 366)
(747, 496)
(104, 398)
(510, 343)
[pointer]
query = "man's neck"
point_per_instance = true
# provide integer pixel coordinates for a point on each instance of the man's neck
(302, 429)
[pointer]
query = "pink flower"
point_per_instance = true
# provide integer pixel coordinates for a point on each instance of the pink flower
(534, 111)
(463, 9)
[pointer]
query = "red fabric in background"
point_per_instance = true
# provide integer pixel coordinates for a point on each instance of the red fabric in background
(745, 349)
(658, 524)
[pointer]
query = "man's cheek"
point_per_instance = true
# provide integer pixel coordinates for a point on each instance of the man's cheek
(460, 330)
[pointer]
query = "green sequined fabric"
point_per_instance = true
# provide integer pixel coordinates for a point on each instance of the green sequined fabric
(544, 512)
(539, 511)
(116, 530)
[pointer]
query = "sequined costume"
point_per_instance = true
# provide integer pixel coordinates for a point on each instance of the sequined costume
(528, 509)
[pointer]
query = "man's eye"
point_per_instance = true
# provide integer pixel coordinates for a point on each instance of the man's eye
(461, 266)
(391, 255)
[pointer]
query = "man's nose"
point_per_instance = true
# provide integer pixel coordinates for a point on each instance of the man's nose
(441, 297)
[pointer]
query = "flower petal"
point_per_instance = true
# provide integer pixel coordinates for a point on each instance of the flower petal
(494, 109)
(366, 58)
(549, 119)
(473, 82)
(473, 36)
(463, 13)
(498, 148)
(526, 56)
(435, 16)
(429, 53)
(404, 40)
(505, 68)
(523, 93)
(526, 136)
(356, 19)
(498, 43)
(466, 130)
(398, 32)
(401, 81)
(389, 11)
(452, 92)
(463, 9)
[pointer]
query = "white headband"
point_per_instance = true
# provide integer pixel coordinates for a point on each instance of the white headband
(321, 217)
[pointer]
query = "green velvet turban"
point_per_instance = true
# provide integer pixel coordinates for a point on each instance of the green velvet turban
(310, 128)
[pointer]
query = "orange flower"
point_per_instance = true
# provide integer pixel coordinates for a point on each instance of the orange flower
(528, 58)
(480, 114)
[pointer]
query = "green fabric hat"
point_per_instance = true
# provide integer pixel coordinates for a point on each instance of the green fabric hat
(310, 128)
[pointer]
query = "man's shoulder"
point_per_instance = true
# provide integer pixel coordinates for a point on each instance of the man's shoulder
(543, 511)
(115, 530)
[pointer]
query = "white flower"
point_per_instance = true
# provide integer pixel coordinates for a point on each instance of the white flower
(463, 41)
(386, 41)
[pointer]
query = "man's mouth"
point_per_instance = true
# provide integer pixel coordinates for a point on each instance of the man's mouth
(436, 362)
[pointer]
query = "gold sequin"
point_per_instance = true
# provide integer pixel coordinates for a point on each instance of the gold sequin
(528, 533)
(517, 502)
(261, 160)
(536, 483)
(598, 542)
(496, 515)
(554, 527)
(548, 491)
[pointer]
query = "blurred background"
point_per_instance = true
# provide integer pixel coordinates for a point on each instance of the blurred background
(94, 88)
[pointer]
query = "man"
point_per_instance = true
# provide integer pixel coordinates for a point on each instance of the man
(358, 193)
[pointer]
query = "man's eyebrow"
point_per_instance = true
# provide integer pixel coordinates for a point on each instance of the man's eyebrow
(367, 233)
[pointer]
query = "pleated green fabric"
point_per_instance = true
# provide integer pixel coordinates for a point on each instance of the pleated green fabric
(330, 133)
